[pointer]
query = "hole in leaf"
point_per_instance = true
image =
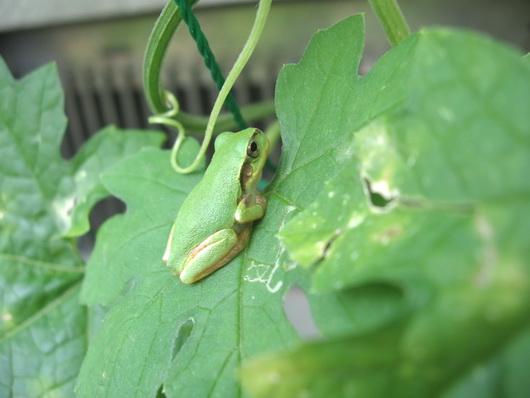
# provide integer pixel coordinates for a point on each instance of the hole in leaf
(160, 393)
(85, 245)
(183, 333)
(100, 212)
(299, 314)
(103, 210)
(379, 195)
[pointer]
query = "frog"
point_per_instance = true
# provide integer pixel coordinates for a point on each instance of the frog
(214, 223)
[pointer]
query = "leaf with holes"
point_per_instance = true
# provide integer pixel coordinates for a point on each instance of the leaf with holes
(189, 340)
(434, 204)
(83, 189)
(152, 191)
(43, 329)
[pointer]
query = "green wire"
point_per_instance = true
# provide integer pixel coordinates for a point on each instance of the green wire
(246, 52)
(209, 59)
(157, 45)
(163, 103)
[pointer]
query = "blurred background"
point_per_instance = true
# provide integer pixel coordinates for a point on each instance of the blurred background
(98, 46)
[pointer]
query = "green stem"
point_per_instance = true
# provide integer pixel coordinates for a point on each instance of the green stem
(391, 18)
(273, 133)
(197, 124)
(203, 46)
(248, 49)
(163, 31)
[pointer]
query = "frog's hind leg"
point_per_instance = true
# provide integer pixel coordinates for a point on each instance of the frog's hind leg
(216, 250)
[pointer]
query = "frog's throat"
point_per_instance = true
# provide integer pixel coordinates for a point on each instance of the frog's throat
(247, 177)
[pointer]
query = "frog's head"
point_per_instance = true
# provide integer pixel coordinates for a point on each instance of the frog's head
(248, 150)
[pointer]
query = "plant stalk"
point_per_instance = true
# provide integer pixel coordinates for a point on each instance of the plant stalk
(391, 19)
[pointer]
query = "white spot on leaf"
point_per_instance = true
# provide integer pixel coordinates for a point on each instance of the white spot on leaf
(63, 208)
(489, 249)
(7, 317)
(446, 114)
(355, 221)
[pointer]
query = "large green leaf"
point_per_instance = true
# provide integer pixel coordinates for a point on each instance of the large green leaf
(434, 206)
(152, 191)
(423, 266)
(42, 338)
(188, 339)
(43, 329)
(161, 335)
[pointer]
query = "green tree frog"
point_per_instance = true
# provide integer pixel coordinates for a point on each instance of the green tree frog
(215, 221)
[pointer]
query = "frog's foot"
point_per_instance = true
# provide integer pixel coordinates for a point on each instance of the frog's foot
(246, 213)
(216, 250)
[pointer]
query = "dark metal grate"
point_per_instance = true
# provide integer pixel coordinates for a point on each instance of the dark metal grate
(112, 94)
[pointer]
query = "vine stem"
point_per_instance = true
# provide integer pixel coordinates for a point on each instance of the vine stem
(157, 45)
(165, 26)
(196, 125)
(248, 49)
(273, 133)
(391, 19)
(209, 58)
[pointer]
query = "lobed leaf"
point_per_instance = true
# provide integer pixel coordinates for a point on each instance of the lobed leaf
(179, 340)
(84, 188)
(43, 329)
(432, 204)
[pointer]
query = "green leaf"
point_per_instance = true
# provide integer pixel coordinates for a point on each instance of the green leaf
(84, 188)
(476, 313)
(188, 340)
(42, 356)
(42, 337)
(153, 192)
(434, 205)
(315, 123)
(43, 329)
(31, 128)
(399, 363)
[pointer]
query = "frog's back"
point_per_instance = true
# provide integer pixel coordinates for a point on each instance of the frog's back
(211, 205)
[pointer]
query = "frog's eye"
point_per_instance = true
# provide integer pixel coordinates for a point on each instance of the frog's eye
(253, 149)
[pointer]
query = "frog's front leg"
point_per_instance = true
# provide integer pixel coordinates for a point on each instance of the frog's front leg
(213, 253)
(246, 213)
